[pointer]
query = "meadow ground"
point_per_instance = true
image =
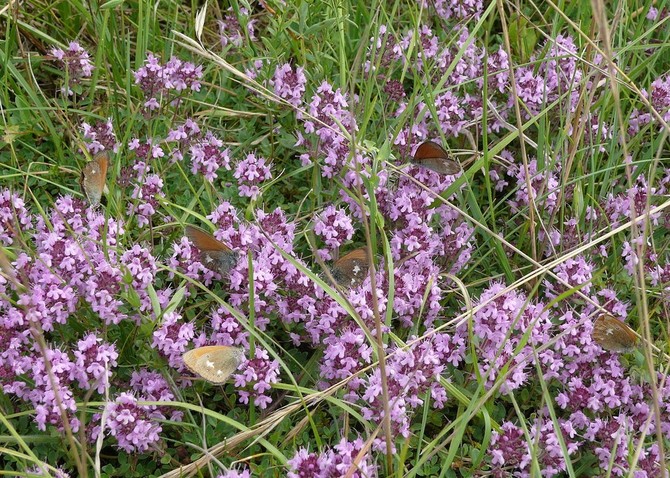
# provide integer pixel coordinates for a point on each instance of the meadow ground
(255, 177)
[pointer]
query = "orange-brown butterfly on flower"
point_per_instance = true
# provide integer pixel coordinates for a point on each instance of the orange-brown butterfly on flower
(214, 363)
(92, 178)
(431, 155)
(350, 269)
(214, 254)
(613, 335)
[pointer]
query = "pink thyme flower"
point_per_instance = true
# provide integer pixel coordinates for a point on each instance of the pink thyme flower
(37, 471)
(459, 9)
(148, 188)
(152, 387)
(76, 63)
(159, 82)
(14, 216)
(250, 172)
(289, 84)
(500, 326)
(333, 462)
(208, 156)
(544, 182)
(235, 474)
(185, 135)
(172, 338)
(95, 362)
(257, 375)
(230, 30)
(146, 150)
(100, 137)
(135, 427)
(576, 271)
(334, 226)
(326, 106)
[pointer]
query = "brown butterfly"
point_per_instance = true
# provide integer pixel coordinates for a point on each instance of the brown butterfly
(613, 335)
(214, 363)
(92, 178)
(431, 155)
(214, 254)
(350, 269)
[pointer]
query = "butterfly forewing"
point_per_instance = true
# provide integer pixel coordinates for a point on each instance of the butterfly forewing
(93, 178)
(613, 335)
(351, 269)
(214, 363)
(431, 155)
(214, 254)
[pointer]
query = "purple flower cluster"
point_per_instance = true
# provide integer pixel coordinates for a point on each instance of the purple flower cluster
(94, 361)
(333, 463)
(623, 206)
(230, 30)
(459, 9)
(56, 473)
(655, 14)
(14, 217)
(27, 377)
(76, 63)
(145, 151)
(257, 375)
(603, 408)
(208, 156)
(184, 135)
(250, 172)
(500, 325)
(545, 187)
(289, 84)
(226, 329)
(147, 190)
(135, 427)
(411, 372)
(77, 267)
(206, 152)
(659, 97)
(172, 338)
(152, 387)
(335, 227)
(100, 137)
(47, 302)
(576, 272)
(235, 474)
(160, 82)
(327, 108)
(73, 264)
(509, 450)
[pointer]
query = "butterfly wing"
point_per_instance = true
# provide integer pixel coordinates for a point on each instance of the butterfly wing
(431, 155)
(93, 178)
(214, 254)
(351, 269)
(613, 335)
(214, 363)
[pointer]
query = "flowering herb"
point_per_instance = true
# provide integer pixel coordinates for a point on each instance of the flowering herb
(294, 152)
